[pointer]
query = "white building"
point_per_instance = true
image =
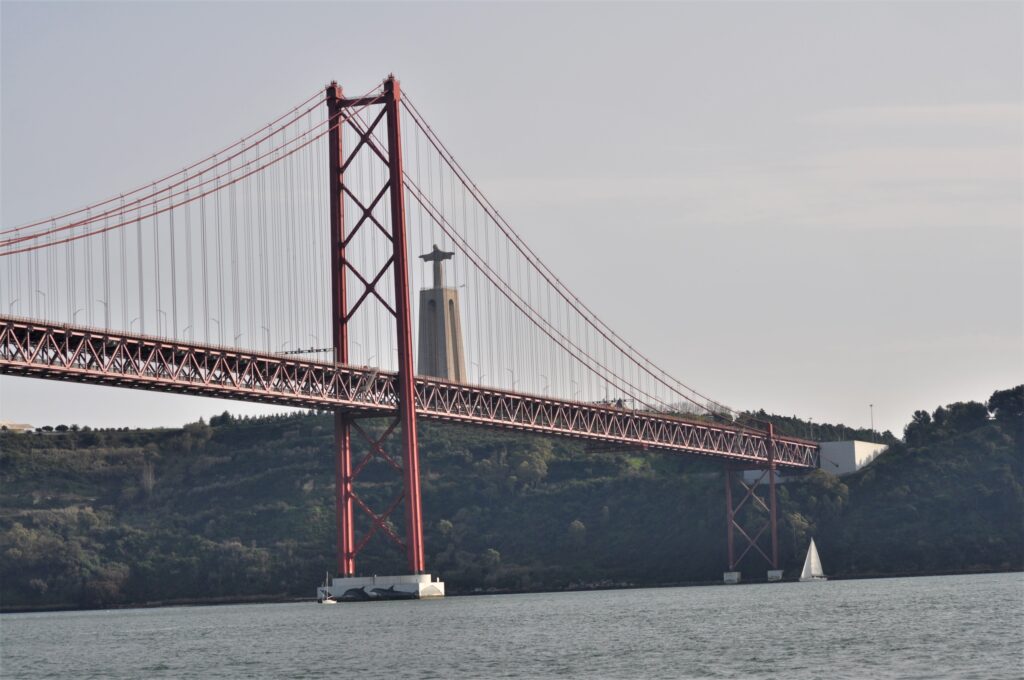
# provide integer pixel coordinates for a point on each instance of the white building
(842, 458)
(837, 458)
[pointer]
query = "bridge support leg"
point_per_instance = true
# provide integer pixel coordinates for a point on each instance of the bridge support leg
(729, 516)
(774, 574)
(339, 307)
(343, 495)
(403, 319)
(773, 513)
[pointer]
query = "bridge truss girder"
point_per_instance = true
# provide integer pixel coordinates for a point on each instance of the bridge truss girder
(80, 354)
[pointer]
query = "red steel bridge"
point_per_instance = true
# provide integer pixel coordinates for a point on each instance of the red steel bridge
(278, 271)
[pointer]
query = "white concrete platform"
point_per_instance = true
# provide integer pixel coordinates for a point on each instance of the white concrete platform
(366, 588)
(774, 575)
(731, 577)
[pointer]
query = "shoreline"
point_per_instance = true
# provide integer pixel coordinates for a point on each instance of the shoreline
(286, 599)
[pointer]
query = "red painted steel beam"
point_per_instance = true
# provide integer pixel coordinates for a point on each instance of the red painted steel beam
(772, 510)
(729, 513)
(403, 317)
(344, 519)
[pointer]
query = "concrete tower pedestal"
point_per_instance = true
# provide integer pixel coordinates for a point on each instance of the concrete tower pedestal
(367, 588)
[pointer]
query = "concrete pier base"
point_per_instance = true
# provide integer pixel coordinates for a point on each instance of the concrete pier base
(366, 588)
(731, 578)
(774, 575)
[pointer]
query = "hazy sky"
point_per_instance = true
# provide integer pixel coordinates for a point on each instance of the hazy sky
(805, 207)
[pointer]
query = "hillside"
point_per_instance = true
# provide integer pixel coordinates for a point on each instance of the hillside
(239, 508)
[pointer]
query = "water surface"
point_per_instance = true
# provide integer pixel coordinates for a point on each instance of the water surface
(932, 627)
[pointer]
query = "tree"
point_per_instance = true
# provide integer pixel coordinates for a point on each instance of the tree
(1008, 408)
(919, 429)
(531, 465)
(965, 416)
(148, 478)
(577, 533)
(223, 419)
(491, 559)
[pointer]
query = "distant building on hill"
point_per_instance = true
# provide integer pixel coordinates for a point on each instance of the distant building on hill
(842, 458)
(837, 458)
(15, 427)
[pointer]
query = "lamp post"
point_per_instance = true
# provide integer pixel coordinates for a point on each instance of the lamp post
(106, 312)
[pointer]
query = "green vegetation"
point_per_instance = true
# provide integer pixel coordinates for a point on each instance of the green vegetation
(244, 508)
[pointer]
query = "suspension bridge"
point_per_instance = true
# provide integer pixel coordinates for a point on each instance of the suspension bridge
(280, 270)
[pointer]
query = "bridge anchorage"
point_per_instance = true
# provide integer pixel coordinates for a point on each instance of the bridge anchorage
(213, 280)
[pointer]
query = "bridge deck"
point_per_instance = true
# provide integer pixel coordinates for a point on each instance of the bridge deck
(81, 354)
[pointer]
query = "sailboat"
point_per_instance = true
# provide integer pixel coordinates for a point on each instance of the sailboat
(812, 565)
(324, 595)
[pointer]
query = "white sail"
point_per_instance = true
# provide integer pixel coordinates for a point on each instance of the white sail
(812, 565)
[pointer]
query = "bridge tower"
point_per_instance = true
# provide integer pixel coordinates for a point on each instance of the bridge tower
(386, 145)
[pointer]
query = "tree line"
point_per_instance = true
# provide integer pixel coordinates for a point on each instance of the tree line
(243, 508)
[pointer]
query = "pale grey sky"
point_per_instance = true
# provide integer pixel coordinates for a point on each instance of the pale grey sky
(806, 207)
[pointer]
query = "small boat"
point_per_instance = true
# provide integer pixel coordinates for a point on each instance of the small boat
(812, 566)
(325, 594)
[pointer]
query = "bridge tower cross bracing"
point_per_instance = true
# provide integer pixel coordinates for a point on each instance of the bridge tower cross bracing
(341, 235)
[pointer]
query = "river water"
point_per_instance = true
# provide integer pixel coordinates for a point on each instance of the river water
(930, 627)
